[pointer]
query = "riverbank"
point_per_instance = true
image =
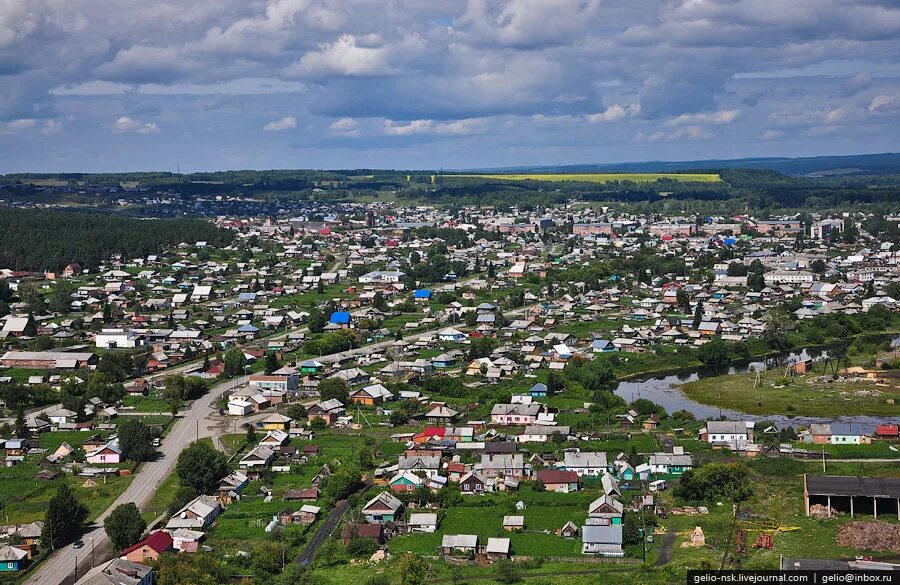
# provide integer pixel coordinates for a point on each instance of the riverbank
(809, 395)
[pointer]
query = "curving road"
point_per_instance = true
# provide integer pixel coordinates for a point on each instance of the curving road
(61, 565)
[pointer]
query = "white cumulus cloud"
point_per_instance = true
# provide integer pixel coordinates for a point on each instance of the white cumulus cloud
(127, 124)
(720, 117)
(285, 123)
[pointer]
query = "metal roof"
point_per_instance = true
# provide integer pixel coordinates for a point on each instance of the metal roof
(832, 485)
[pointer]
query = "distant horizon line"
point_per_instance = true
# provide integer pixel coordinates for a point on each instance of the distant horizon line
(487, 169)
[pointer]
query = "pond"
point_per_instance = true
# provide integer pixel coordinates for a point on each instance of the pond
(666, 391)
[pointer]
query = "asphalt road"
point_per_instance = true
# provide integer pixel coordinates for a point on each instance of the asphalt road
(61, 565)
(323, 532)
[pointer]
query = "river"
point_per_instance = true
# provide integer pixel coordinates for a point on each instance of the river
(666, 391)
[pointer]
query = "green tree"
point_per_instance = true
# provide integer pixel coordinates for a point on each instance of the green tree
(714, 353)
(715, 481)
(234, 362)
(196, 569)
(184, 388)
(182, 496)
(756, 281)
(271, 362)
(776, 332)
(412, 569)
(481, 347)
(61, 299)
(200, 467)
(333, 388)
(124, 525)
(365, 458)
(683, 300)
(6, 293)
(379, 302)
(316, 321)
(507, 572)
(64, 518)
(698, 314)
(136, 441)
(21, 427)
(342, 483)
(32, 298)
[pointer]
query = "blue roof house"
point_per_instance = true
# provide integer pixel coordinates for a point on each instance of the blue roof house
(340, 318)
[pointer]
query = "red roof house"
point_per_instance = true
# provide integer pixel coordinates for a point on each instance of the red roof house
(150, 548)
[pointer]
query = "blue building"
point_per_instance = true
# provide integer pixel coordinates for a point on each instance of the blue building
(422, 294)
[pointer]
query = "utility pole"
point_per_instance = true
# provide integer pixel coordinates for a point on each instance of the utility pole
(643, 537)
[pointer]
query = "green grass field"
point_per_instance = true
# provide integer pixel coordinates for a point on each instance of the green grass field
(798, 397)
(606, 177)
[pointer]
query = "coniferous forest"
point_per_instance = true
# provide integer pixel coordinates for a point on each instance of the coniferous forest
(48, 240)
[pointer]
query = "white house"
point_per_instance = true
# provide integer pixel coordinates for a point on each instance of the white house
(239, 407)
(732, 433)
(451, 334)
(119, 338)
(584, 464)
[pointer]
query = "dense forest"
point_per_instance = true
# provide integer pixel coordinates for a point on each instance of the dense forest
(48, 240)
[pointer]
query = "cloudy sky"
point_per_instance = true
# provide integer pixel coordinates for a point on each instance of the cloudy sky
(88, 85)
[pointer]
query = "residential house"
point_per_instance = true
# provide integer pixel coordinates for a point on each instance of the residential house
(516, 414)
(557, 480)
(230, 487)
(513, 523)
(107, 454)
(150, 548)
(584, 464)
(473, 483)
(541, 433)
(502, 465)
(329, 410)
(602, 540)
(421, 466)
(259, 456)
(373, 532)
(459, 545)
(196, 514)
(12, 559)
(497, 548)
(422, 522)
(605, 510)
(371, 395)
(729, 433)
(382, 508)
(670, 463)
(118, 572)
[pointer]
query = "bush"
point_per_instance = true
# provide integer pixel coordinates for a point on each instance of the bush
(715, 481)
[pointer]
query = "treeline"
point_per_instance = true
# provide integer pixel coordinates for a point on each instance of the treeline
(48, 240)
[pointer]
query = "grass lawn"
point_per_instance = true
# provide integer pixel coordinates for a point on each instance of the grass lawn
(148, 403)
(21, 375)
(798, 397)
(776, 507)
(50, 441)
(24, 499)
(159, 503)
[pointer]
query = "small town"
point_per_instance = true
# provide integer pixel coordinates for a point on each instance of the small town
(466, 292)
(378, 391)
